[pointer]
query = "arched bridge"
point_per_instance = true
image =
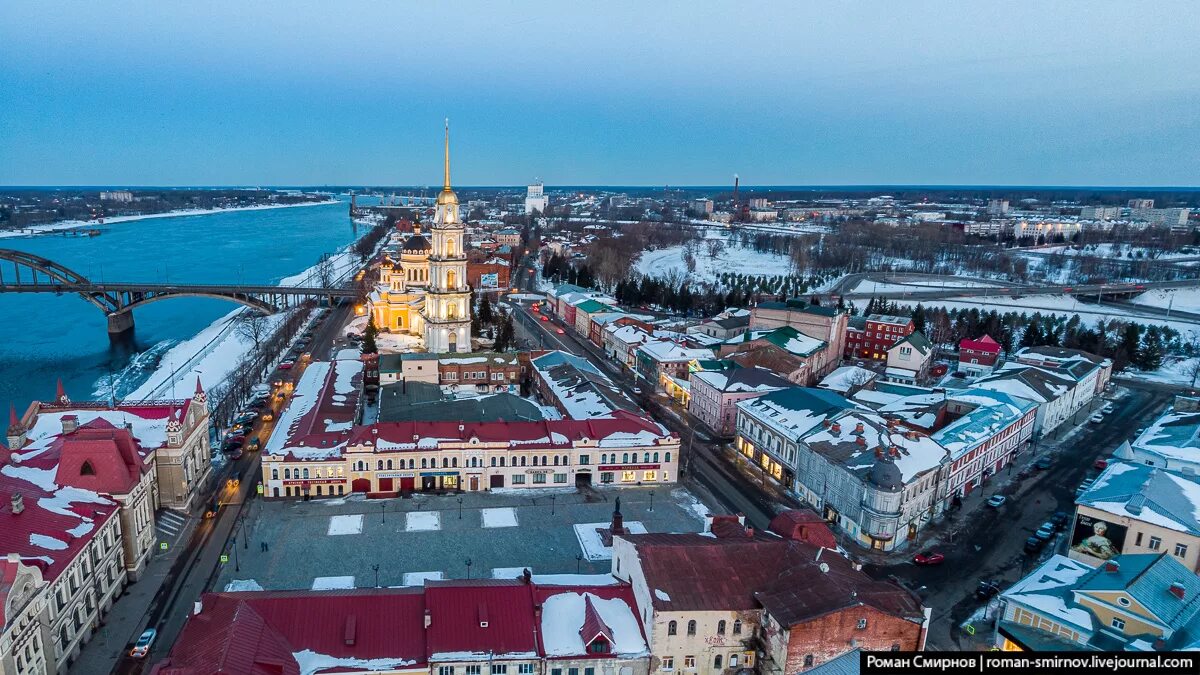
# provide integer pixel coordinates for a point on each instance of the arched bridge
(29, 273)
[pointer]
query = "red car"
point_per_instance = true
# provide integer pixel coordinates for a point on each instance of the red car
(545, 318)
(1100, 464)
(929, 558)
(559, 331)
(287, 365)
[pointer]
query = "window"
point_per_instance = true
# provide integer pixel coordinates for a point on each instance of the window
(895, 646)
(862, 624)
(672, 628)
(556, 671)
(692, 627)
(572, 671)
(539, 478)
(649, 476)
(1180, 550)
(499, 669)
(598, 647)
(737, 626)
(1117, 623)
(585, 460)
(607, 476)
(474, 670)
(560, 478)
(1138, 541)
(556, 460)
(589, 671)
(525, 669)
(518, 479)
(721, 627)
(689, 663)
(445, 670)
(1155, 543)
(668, 663)
(628, 476)
(86, 469)
(733, 660)
(717, 662)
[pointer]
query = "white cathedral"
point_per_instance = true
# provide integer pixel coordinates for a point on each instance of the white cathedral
(425, 292)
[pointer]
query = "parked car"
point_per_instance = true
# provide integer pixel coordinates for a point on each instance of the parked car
(236, 454)
(929, 558)
(142, 647)
(986, 590)
(211, 509)
(1108, 408)
(1033, 545)
(253, 445)
(1100, 464)
(287, 365)
(1046, 531)
(559, 331)
(1044, 463)
(239, 429)
(545, 318)
(1096, 418)
(1060, 519)
(997, 501)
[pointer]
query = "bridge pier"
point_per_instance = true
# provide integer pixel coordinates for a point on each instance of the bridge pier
(120, 322)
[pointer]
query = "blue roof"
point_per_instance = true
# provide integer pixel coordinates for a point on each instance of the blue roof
(558, 357)
(1169, 499)
(1147, 578)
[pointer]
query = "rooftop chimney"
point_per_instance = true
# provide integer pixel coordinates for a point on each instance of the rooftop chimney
(69, 423)
(1112, 567)
(1177, 590)
(836, 428)
(18, 503)
(197, 607)
(861, 441)
(858, 428)
(526, 576)
(428, 618)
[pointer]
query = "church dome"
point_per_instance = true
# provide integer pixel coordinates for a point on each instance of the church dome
(447, 196)
(417, 244)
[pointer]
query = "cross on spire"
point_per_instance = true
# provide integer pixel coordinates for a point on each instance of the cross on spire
(446, 183)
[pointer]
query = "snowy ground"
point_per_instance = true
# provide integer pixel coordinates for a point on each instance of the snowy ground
(509, 572)
(1175, 370)
(1116, 250)
(869, 286)
(398, 343)
(422, 521)
(591, 543)
(1183, 299)
(688, 501)
(660, 262)
(499, 517)
(332, 583)
(242, 585)
(1059, 305)
(419, 578)
(75, 224)
(345, 525)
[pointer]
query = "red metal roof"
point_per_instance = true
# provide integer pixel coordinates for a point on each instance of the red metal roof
(803, 525)
(480, 618)
(98, 457)
(983, 344)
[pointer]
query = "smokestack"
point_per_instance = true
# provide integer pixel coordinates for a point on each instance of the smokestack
(18, 503)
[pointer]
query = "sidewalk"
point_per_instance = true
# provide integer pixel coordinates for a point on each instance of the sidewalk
(129, 614)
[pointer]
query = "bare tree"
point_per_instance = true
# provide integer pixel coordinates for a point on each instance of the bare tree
(715, 246)
(325, 272)
(255, 327)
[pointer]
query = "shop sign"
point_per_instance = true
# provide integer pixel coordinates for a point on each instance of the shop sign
(629, 467)
(316, 481)
(395, 474)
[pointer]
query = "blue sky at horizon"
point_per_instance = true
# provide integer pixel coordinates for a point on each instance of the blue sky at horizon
(616, 93)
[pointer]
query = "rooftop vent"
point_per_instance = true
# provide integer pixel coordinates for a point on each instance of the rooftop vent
(18, 503)
(1112, 567)
(1177, 590)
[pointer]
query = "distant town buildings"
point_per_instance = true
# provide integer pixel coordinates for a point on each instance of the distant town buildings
(997, 207)
(536, 200)
(120, 196)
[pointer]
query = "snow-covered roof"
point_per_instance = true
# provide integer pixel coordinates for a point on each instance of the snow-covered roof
(1173, 436)
(993, 412)
(846, 378)
(1148, 494)
(1048, 590)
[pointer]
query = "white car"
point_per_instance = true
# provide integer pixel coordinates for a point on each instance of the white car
(1097, 418)
(142, 647)
(997, 501)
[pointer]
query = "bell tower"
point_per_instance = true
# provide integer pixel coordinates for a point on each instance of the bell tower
(447, 311)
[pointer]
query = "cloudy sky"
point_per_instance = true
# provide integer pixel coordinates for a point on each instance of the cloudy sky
(221, 92)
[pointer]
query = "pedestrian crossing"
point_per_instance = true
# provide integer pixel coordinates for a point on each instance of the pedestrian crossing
(169, 524)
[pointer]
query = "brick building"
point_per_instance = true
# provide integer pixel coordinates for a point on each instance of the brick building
(481, 369)
(874, 334)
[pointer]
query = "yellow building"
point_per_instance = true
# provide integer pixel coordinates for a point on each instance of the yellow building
(397, 301)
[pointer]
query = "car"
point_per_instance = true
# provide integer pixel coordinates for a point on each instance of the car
(212, 508)
(1046, 531)
(245, 418)
(545, 318)
(1033, 545)
(239, 429)
(142, 647)
(257, 403)
(1100, 464)
(929, 558)
(1096, 418)
(267, 417)
(237, 439)
(997, 501)
(986, 590)
(287, 365)
(236, 454)
(253, 445)
(1044, 463)
(559, 331)
(1108, 408)
(1060, 519)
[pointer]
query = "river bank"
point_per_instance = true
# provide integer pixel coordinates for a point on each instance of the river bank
(65, 225)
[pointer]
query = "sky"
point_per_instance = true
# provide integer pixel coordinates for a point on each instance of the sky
(217, 92)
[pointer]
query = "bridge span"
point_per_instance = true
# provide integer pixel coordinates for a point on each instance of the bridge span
(29, 273)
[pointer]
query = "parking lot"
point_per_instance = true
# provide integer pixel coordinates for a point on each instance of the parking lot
(346, 542)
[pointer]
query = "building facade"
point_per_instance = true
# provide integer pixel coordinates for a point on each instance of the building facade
(447, 310)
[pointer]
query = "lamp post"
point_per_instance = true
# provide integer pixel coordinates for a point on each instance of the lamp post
(578, 561)
(375, 568)
(383, 511)
(652, 500)
(236, 563)
(468, 561)
(460, 508)
(552, 500)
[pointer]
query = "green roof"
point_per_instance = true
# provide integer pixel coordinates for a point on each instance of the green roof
(591, 306)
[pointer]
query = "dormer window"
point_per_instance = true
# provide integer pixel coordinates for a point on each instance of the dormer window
(598, 646)
(86, 468)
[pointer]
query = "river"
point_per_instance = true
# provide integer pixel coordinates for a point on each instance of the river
(50, 336)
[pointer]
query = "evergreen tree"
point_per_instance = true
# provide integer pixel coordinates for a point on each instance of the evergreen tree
(918, 318)
(504, 335)
(1151, 355)
(485, 310)
(369, 346)
(1033, 335)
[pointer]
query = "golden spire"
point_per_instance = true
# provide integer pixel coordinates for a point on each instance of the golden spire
(446, 185)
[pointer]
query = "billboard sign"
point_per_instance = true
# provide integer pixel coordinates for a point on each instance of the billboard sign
(1097, 537)
(489, 280)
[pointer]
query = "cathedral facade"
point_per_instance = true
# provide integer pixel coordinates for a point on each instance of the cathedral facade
(425, 291)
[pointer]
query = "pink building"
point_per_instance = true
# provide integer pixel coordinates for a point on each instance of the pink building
(715, 394)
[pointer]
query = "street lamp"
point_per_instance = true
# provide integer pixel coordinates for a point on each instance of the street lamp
(468, 561)
(578, 561)
(236, 563)
(460, 508)
(553, 498)
(652, 500)
(375, 568)
(383, 511)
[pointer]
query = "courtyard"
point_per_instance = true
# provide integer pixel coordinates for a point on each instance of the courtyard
(355, 542)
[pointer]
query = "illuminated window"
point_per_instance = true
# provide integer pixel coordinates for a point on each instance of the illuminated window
(628, 476)
(650, 475)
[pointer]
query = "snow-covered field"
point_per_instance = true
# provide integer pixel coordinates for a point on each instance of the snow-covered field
(1182, 299)
(1174, 370)
(345, 524)
(74, 224)
(870, 286)
(398, 343)
(422, 521)
(662, 261)
(499, 517)
(1059, 305)
(1116, 250)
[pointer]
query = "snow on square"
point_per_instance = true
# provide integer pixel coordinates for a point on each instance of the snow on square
(509, 572)
(243, 585)
(419, 578)
(345, 524)
(422, 521)
(593, 545)
(500, 517)
(332, 583)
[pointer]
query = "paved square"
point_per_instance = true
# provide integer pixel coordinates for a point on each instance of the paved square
(423, 521)
(410, 538)
(500, 517)
(345, 525)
